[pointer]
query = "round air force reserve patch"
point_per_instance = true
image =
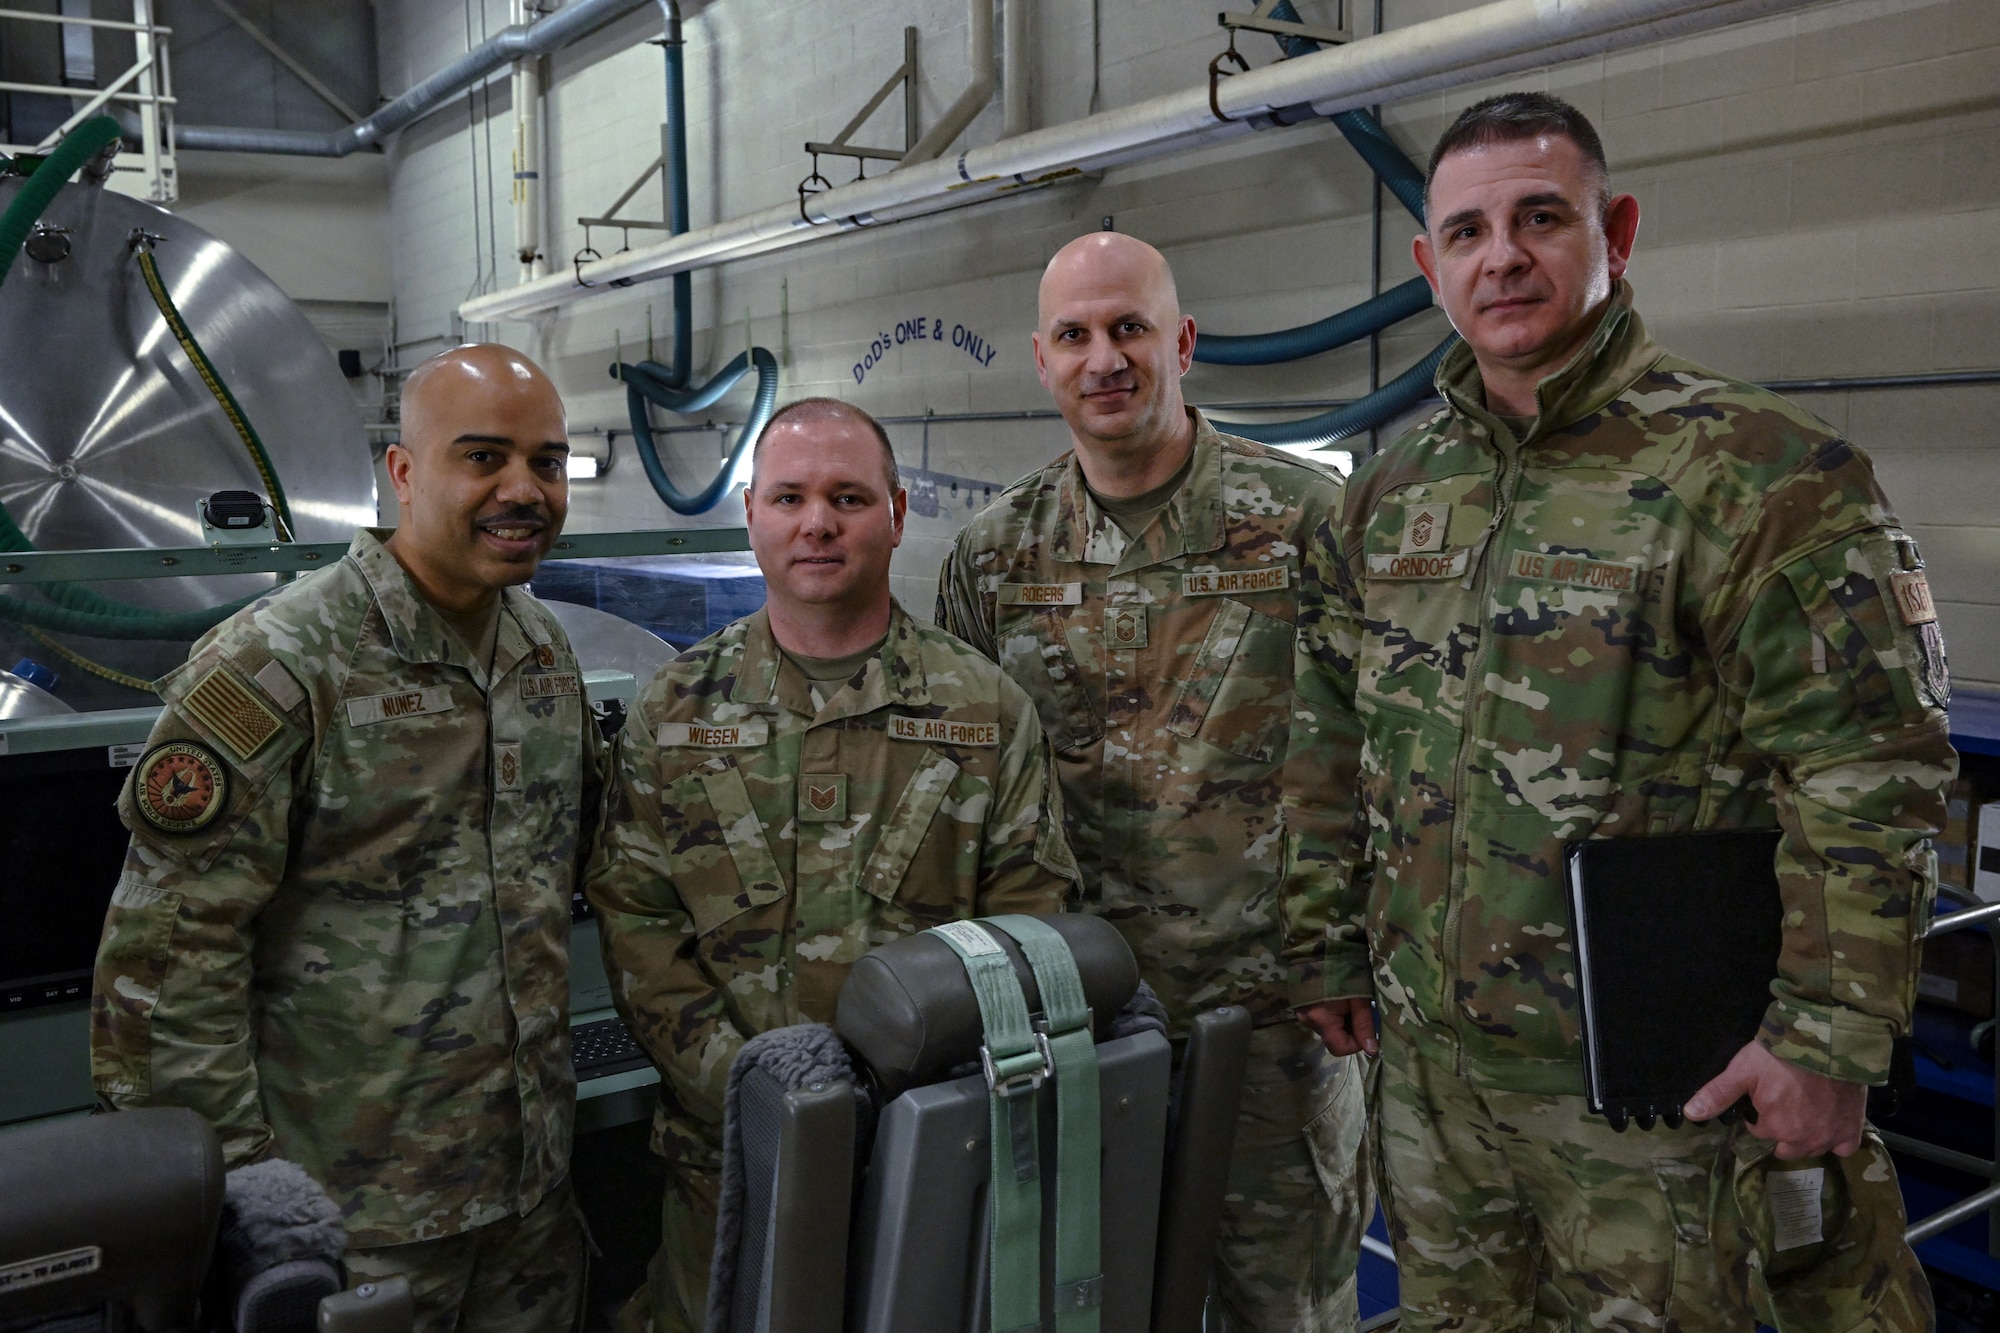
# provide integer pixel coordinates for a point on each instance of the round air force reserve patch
(181, 787)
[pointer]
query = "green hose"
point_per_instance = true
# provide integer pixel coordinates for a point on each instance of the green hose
(76, 609)
(205, 368)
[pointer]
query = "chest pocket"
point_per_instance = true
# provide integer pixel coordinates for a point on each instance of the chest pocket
(1419, 626)
(1037, 651)
(712, 795)
(906, 829)
(1238, 695)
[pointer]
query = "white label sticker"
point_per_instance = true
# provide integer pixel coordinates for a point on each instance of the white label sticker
(969, 937)
(50, 1268)
(406, 703)
(124, 756)
(1795, 1212)
(714, 736)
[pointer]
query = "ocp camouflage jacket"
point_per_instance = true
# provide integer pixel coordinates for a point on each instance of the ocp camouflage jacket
(1162, 670)
(755, 846)
(355, 954)
(1680, 603)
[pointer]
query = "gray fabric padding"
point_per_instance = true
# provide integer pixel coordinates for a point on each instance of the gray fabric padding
(793, 1057)
(1142, 1013)
(273, 1212)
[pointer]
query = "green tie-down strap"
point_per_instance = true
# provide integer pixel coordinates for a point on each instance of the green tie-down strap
(1015, 1066)
(1079, 1280)
(1017, 1057)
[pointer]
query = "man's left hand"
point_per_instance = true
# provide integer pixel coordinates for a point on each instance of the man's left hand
(1804, 1113)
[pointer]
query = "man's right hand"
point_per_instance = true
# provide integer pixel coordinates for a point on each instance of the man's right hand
(1347, 1026)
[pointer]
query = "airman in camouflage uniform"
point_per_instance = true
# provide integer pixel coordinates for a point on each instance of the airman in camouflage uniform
(1608, 593)
(775, 816)
(1159, 656)
(342, 932)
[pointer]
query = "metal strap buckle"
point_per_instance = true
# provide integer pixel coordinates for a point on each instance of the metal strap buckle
(1017, 1081)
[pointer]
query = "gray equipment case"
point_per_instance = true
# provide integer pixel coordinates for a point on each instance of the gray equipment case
(864, 1199)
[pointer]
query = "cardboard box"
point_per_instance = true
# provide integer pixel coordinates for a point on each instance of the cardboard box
(1985, 860)
(1956, 844)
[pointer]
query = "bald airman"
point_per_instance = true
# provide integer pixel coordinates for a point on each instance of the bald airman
(342, 933)
(1142, 590)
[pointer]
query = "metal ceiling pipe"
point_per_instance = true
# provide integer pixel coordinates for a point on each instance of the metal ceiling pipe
(979, 54)
(1015, 34)
(515, 42)
(527, 100)
(1487, 42)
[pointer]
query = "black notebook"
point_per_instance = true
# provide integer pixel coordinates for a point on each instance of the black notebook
(1677, 941)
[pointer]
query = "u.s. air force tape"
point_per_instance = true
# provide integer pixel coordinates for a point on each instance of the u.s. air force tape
(180, 787)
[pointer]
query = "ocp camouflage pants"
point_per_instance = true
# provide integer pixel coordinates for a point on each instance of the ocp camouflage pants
(517, 1275)
(1299, 1196)
(1517, 1211)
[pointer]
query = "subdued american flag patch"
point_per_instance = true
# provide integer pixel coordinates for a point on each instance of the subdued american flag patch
(228, 708)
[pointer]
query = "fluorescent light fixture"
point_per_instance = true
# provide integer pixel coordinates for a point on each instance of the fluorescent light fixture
(582, 467)
(1340, 460)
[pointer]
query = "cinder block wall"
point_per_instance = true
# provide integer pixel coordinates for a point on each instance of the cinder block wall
(1818, 190)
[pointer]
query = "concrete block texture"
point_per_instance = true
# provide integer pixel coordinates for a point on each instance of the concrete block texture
(1817, 189)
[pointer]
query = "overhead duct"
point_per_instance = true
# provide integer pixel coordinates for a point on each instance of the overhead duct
(1483, 43)
(516, 42)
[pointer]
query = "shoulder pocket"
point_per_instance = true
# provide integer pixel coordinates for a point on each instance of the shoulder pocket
(131, 969)
(707, 805)
(1894, 668)
(1238, 695)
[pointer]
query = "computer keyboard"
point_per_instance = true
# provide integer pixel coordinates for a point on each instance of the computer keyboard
(604, 1047)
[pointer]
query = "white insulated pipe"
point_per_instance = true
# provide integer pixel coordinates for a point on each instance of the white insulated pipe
(527, 99)
(1492, 40)
(979, 55)
(1015, 18)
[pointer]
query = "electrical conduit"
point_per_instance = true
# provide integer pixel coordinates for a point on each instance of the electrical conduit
(667, 386)
(1395, 170)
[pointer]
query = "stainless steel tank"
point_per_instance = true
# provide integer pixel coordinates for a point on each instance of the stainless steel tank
(109, 438)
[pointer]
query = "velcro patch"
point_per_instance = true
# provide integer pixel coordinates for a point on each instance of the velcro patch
(1125, 626)
(1424, 528)
(1913, 597)
(714, 736)
(822, 798)
(404, 703)
(226, 706)
(507, 766)
(180, 787)
(548, 684)
(280, 684)
(1575, 570)
(939, 731)
(1040, 594)
(1439, 566)
(1216, 583)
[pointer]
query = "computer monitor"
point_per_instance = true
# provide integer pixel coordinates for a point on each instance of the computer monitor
(61, 848)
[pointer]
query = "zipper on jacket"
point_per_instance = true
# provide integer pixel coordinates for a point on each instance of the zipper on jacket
(1475, 577)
